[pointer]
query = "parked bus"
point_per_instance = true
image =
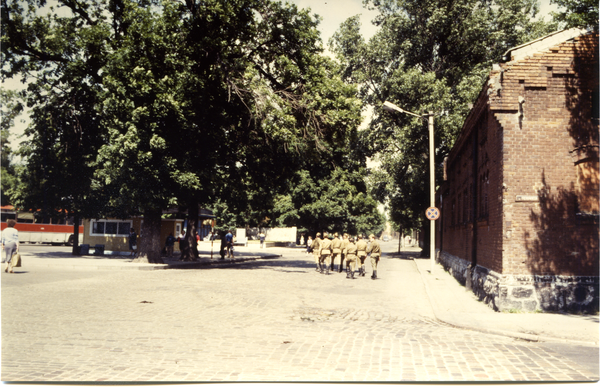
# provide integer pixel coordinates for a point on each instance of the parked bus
(59, 230)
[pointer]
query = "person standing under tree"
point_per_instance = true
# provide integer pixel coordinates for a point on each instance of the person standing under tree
(132, 242)
(229, 241)
(169, 244)
(308, 245)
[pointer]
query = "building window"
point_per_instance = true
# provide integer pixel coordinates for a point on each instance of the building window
(110, 228)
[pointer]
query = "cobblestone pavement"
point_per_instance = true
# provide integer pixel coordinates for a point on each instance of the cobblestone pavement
(268, 320)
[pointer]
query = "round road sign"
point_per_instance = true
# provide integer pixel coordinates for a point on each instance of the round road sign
(432, 213)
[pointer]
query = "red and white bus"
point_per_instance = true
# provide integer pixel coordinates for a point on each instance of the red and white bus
(31, 230)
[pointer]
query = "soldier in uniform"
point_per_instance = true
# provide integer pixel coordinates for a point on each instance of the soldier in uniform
(351, 251)
(361, 247)
(316, 247)
(325, 253)
(336, 249)
(344, 245)
(375, 251)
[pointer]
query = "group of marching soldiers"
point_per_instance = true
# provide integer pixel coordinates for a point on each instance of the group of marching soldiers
(354, 253)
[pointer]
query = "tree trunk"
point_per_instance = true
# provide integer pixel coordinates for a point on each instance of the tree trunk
(190, 250)
(149, 244)
(75, 250)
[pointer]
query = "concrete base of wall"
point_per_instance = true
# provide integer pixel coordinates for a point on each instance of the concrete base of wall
(526, 292)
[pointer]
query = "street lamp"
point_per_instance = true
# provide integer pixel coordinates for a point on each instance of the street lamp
(388, 106)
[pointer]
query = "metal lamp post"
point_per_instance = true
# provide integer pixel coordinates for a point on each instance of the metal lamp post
(393, 108)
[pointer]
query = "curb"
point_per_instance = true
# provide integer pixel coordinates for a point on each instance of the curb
(152, 267)
(504, 333)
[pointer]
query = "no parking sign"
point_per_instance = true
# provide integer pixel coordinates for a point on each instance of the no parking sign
(432, 213)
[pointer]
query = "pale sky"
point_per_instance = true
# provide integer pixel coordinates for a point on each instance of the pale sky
(332, 12)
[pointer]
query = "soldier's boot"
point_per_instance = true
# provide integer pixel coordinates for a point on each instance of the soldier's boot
(351, 274)
(326, 269)
(332, 266)
(317, 265)
(321, 268)
(374, 275)
(364, 272)
(341, 267)
(347, 273)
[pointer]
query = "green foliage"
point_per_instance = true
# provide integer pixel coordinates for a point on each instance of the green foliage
(426, 56)
(142, 105)
(11, 108)
(60, 59)
(577, 13)
(336, 203)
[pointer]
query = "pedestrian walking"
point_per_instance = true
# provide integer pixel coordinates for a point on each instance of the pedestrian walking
(351, 257)
(344, 249)
(336, 252)
(261, 236)
(316, 250)
(10, 244)
(361, 248)
(132, 242)
(325, 254)
(374, 250)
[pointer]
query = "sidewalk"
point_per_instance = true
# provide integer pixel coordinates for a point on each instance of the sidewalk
(454, 305)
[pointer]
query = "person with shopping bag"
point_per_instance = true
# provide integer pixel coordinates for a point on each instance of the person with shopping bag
(10, 245)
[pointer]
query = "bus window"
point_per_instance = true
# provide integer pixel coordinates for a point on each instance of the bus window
(7, 216)
(25, 218)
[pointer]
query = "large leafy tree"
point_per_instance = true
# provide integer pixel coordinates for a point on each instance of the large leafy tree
(143, 105)
(426, 56)
(577, 13)
(60, 58)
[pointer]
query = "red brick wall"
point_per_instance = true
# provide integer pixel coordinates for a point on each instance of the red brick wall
(543, 234)
(538, 156)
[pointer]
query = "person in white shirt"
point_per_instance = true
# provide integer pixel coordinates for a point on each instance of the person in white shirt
(10, 243)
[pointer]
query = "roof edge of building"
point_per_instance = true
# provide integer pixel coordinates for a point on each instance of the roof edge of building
(541, 44)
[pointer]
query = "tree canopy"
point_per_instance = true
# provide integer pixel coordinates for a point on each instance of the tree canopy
(143, 105)
(426, 56)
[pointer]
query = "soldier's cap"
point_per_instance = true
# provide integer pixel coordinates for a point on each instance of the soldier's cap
(335, 234)
(371, 236)
(325, 234)
(351, 239)
(318, 234)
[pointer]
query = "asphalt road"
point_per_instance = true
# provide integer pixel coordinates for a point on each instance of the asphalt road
(266, 320)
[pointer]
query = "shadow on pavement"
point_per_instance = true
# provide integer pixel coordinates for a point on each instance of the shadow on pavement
(274, 264)
(401, 255)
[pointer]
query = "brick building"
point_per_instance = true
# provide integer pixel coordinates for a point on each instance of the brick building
(520, 198)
